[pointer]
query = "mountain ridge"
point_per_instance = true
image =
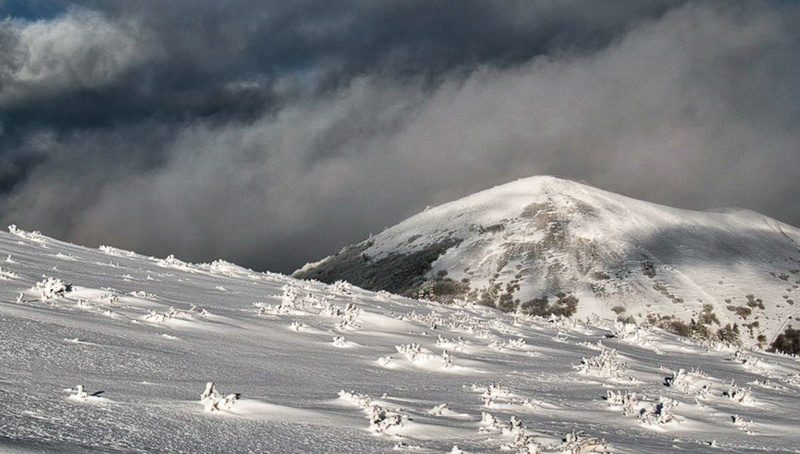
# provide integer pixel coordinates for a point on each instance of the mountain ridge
(541, 237)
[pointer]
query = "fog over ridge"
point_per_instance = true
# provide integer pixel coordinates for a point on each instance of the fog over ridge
(273, 133)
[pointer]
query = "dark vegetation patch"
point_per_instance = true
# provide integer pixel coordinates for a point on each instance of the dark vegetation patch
(565, 305)
(787, 342)
(754, 302)
(399, 273)
(700, 329)
(741, 311)
(488, 229)
(662, 289)
(648, 269)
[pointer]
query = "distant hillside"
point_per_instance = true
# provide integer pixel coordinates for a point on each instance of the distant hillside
(547, 245)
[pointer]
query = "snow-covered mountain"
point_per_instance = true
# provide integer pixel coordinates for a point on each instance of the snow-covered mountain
(549, 238)
(104, 350)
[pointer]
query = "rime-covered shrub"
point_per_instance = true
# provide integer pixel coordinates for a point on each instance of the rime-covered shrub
(455, 344)
(447, 359)
(578, 443)
(52, 288)
(737, 394)
(659, 412)
(512, 344)
(409, 350)
(438, 410)
(606, 365)
(380, 418)
(214, 401)
(35, 235)
(349, 317)
(79, 392)
(678, 380)
(492, 393)
(742, 424)
(489, 423)
(160, 317)
(627, 400)
(629, 332)
(341, 287)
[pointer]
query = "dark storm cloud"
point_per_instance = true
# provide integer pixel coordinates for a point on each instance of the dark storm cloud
(273, 133)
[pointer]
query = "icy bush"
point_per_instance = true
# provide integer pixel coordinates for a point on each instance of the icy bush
(577, 443)
(350, 317)
(80, 393)
(455, 344)
(606, 365)
(437, 410)
(659, 412)
(742, 424)
(7, 274)
(380, 418)
(447, 359)
(678, 380)
(172, 262)
(492, 393)
(35, 235)
(359, 400)
(383, 295)
(161, 317)
(214, 401)
(629, 332)
(52, 288)
(627, 400)
(143, 295)
(513, 344)
(409, 350)
(737, 394)
(339, 341)
(341, 288)
(489, 423)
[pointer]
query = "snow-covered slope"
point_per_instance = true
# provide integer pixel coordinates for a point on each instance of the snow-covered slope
(333, 368)
(541, 236)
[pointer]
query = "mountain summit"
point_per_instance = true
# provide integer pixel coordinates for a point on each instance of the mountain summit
(545, 245)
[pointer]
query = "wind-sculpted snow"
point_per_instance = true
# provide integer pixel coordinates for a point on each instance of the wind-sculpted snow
(113, 351)
(548, 246)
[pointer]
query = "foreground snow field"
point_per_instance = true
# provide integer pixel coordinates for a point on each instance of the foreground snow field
(333, 368)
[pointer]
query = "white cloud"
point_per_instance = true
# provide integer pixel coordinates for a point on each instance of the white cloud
(80, 49)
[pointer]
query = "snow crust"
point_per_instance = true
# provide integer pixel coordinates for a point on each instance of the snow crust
(144, 337)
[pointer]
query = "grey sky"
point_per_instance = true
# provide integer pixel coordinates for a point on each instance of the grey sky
(273, 133)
